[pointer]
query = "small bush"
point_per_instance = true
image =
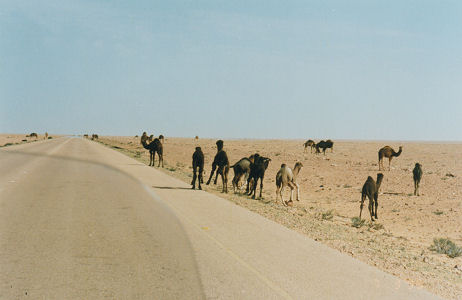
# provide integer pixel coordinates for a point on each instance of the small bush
(7, 144)
(376, 226)
(357, 222)
(328, 215)
(438, 212)
(446, 246)
(171, 169)
(50, 137)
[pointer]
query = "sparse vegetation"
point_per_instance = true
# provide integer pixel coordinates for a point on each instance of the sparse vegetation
(438, 212)
(357, 222)
(328, 215)
(446, 246)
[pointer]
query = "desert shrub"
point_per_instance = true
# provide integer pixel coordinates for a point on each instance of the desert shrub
(7, 144)
(50, 137)
(357, 222)
(438, 212)
(376, 226)
(446, 246)
(328, 215)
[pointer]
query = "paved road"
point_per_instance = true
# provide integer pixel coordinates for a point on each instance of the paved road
(81, 221)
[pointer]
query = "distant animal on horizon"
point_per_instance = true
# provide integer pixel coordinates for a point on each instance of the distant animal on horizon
(196, 138)
(85, 136)
(371, 191)
(388, 152)
(324, 145)
(221, 161)
(417, 174)
(46, 135)
(288, 177)
(257, 171)
(94, 136)
(198, 166)
(33, 134)
(311, 144)
(154, 147)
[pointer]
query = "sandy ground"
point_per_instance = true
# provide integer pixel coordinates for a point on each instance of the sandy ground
(332, 183)
(13, 139)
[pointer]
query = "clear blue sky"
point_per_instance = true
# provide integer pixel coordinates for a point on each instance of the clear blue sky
(230, 69)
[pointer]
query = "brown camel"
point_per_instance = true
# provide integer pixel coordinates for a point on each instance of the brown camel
(417, 174)
(388, 152)
(311, 144)
(371, 190)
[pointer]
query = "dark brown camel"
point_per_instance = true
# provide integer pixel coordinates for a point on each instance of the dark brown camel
(417, 172)
(388, 152)
(257, 171)
(198, 166)
(154, 147)
(371, 190)
(221, 161)
(324, 145)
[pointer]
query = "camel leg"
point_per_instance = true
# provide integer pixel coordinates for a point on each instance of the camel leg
(371, 212)
(216, 176)
(226, 171)
(291, 186)
(298, 191)
(200, 178)
(363, 197)
(211, 173)
(389, 164)
(194, 179)
(261, 186)
(151, 159)
(376, 202)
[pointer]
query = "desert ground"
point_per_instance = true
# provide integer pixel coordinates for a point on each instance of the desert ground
(14, 139)
(330, 186)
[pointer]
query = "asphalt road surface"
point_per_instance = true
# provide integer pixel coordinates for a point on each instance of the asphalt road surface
(81, 221)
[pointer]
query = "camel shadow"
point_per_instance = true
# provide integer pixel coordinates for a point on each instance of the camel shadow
(171, 188)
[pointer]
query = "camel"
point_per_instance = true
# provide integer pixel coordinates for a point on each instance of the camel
(417, 172)
(94, 136)
(154, 147)
(324, 145)
(287, 177)
(198, 165)
(311, 144)
(46, 135)
(257, 171)
(220, 160)
(371, 190)
(33, 134)
(388, 152)
(242, 167)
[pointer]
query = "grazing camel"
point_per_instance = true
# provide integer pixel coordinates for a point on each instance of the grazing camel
(324, 145)
(417, 172)
(371, 190)
(198, 166)
(311, 144)
(257, 171)
(287, 177)
(388, 152)
(242, 167)
(220, 160)
(154, 147)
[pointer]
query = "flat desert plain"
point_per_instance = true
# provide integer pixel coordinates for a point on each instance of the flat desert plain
(330, 187)
(13, 139)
